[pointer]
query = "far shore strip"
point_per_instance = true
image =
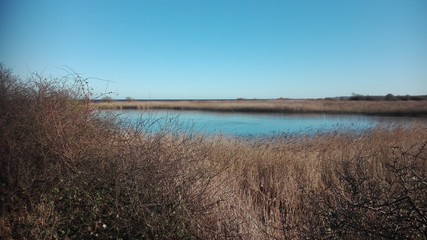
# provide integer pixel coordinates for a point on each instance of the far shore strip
(392, 108)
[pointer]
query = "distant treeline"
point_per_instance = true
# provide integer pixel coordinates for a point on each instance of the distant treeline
(388, 97)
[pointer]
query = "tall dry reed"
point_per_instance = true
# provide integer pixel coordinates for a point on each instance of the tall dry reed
(356, 186)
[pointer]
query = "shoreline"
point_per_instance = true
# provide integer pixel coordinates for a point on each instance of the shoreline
(307, 106)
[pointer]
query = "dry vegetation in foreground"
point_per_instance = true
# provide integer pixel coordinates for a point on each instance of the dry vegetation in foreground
(66, 172)
(370, 107)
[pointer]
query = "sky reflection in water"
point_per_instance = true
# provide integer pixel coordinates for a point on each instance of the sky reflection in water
(245, 124)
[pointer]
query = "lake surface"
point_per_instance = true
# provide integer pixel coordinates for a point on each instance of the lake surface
(246, 124)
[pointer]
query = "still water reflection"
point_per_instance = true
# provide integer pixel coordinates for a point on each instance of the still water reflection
(245, 124)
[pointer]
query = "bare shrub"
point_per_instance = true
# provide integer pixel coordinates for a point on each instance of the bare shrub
(374, 196)
(68, 171)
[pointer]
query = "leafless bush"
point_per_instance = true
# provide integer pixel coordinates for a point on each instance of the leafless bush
(67, 171)
(379, 196)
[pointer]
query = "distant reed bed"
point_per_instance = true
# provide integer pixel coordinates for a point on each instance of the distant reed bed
(381, 107)
(69, 172)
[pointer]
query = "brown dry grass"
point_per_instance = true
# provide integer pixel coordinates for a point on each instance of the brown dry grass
(67, 172)
(331, 186)
(398, 108)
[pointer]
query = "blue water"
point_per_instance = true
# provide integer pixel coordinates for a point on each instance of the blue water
(245, 124)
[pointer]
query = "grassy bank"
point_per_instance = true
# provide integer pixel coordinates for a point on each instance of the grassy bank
(68, 172)
(392, 108)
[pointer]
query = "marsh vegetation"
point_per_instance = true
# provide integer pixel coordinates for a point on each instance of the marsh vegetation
(376, 106)
(69, 172)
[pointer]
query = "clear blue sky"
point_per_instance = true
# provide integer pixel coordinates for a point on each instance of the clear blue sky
(223, 48)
